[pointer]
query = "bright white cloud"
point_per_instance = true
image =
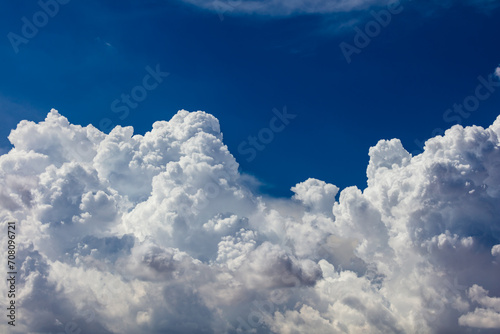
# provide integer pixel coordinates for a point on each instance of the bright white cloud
(124, 233)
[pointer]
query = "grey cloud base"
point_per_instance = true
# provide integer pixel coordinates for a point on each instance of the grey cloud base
(124, 233)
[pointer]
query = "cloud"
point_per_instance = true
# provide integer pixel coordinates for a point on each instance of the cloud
(488, 317)
(495, 250)
(124, 233)
(281, 8)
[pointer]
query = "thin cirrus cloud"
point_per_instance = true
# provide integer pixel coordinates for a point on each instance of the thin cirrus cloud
(124, 233)
(281, 8)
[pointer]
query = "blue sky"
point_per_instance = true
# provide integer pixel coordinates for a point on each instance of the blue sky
(240, 65)
(166, 233)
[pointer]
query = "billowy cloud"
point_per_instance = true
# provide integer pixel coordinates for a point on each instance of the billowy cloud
(124, 233)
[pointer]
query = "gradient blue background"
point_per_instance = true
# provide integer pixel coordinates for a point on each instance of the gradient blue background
(242, 67)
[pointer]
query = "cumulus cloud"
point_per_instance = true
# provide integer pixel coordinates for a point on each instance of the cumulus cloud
(124, 233)
(488, 315)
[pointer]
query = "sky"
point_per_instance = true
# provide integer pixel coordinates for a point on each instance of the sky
(206, 166)
(240, 65)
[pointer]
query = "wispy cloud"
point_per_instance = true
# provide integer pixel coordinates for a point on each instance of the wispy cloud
(284, 7)
(293, 7)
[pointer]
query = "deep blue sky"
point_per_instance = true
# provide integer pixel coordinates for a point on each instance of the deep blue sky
(240, 68)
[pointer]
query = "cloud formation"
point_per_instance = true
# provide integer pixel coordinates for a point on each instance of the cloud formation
(282, 8)
(124, 233)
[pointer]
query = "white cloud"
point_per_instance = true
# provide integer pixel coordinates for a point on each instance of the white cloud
(481, 318)
(495, 250)
(485, 316)
(124, 233)
(316, 194)
(282, 8)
